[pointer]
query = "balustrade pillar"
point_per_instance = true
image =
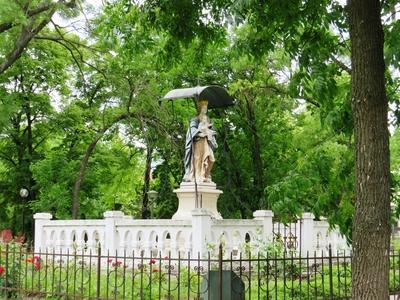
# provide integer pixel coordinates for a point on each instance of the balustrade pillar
(201, 231)
(135, 248)
(91, 246)
(147, 248)
(161, 249)
(188, 249)
(40, 220)
(111, 218)
(308, 234)
(266, 216)
(174, 249)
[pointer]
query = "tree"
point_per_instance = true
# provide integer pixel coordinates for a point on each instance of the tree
(303, 28)
(371, 233)
(21, 21)
(26, 123)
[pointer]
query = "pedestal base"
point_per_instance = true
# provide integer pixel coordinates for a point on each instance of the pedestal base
(207, 196)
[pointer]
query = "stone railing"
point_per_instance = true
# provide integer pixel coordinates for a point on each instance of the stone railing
(118, 233)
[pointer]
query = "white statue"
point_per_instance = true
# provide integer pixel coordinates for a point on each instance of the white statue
(200, 146)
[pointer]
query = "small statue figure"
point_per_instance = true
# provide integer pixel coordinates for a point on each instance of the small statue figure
(200, 146)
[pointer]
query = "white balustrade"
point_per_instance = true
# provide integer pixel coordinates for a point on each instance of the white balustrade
(118, 233)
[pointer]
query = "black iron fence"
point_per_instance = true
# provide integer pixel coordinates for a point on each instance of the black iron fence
(24, 274)
(288, 234)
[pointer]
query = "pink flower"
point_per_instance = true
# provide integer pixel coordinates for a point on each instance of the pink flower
(152, 261)
(6, 235)
(37, 258)
(37, 266)
(109, 260)
(2, 270)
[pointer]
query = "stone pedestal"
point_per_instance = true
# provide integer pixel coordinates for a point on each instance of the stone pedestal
(207, 196)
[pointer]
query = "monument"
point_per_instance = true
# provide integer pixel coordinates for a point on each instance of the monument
(197, 190)
(200, 146)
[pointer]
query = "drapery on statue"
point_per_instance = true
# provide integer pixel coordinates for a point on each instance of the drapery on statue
(200, 146)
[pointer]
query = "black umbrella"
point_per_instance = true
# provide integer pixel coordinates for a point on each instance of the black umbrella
(216, 96)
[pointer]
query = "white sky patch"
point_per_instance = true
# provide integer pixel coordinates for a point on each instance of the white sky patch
(392, 119)
(80, 24)
(55, 101)
(129, 138)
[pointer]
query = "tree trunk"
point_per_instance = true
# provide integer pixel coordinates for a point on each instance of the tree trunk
(27, 211)
(146, 185)
(81, 177)
(234, 176)
(85, 160)
(256, 153)
(371, 227)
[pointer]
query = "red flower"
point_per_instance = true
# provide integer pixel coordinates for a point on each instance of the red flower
(2, 270)
(152, 261)
(109, 260)
(37, 266)
(35, 259)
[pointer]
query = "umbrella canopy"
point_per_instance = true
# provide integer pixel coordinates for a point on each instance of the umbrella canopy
(216, 96)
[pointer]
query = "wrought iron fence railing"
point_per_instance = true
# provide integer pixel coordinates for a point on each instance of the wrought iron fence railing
(131, 276)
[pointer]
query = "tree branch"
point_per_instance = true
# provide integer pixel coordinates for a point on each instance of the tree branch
(341, 64)
(6, 26)
(283, 92)
(40, 8)
(62, 43)
(5, 157)
(27, 33)
(311, 101)
(30, 13)
(66, 43)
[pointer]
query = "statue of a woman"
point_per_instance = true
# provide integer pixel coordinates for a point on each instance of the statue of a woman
(200, 146)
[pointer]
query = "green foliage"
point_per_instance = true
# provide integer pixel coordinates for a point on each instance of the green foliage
(319, 179)
(287, 145)
(53, 174)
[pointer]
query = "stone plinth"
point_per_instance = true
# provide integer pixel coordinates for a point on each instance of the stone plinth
(207, 196)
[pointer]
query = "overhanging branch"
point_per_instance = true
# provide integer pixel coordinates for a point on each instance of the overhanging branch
(341, 64)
